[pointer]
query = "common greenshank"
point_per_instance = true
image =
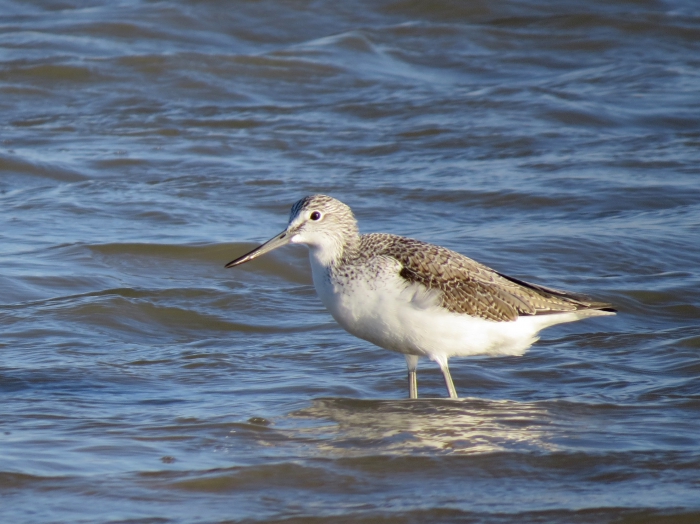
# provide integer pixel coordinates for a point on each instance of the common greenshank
(416, 298)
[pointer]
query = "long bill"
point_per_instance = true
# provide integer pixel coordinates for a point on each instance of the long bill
(275, 242)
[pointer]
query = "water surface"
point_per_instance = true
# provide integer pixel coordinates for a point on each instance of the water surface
(145, 144)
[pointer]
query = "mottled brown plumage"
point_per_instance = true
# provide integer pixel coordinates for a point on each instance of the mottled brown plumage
(466, 286)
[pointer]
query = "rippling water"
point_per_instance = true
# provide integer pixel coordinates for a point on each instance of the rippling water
(145, 144)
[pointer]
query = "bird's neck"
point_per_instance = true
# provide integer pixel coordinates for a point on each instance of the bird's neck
(334, 250)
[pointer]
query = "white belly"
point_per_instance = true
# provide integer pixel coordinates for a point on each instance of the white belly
(407, 319)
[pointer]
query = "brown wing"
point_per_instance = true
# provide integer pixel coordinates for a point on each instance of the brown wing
(471, 288)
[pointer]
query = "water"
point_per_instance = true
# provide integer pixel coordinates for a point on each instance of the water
(145, 144)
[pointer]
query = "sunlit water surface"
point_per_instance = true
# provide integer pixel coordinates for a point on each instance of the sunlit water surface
(145, 144)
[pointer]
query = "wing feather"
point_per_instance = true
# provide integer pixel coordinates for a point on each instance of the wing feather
(471, 288)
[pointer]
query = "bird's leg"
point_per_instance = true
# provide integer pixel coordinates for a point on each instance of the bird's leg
(412, 383)
(448, 378)
(412, 363)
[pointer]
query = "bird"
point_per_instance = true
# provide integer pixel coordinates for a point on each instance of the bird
(417, 298)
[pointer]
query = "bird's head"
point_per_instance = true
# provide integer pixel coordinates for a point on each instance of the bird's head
(323, 224)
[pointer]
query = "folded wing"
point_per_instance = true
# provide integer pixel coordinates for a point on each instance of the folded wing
(468, 287)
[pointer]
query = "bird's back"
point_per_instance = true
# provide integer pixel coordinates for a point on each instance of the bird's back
(468, 287)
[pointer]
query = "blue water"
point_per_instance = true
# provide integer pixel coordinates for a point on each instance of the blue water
(145, 144)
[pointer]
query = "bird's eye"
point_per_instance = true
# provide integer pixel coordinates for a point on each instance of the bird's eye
(315, 215)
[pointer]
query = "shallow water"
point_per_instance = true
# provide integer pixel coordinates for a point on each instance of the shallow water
(146, 144)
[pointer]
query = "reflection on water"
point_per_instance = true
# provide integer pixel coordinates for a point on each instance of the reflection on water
(463, 426)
